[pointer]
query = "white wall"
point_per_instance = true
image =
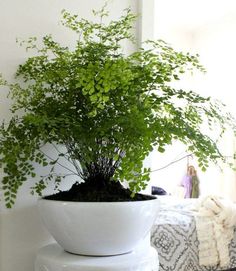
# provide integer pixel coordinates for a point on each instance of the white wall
(21, 232)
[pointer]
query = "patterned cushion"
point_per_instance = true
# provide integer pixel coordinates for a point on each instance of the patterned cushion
(174, 236)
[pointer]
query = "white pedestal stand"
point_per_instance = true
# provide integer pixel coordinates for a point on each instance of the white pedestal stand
(54, 258)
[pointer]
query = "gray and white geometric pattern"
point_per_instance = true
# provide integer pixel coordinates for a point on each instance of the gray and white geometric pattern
(175, 238)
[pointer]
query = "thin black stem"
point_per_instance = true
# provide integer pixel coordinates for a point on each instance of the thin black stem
(61, 175)
(74, 161)
(171, 163)
(59, 163)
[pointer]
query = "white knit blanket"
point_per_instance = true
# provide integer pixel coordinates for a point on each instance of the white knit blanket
(215, 223)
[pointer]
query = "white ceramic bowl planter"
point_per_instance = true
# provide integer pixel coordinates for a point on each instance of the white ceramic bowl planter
(98, 228)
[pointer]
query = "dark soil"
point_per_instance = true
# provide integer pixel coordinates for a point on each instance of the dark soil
(94, 192)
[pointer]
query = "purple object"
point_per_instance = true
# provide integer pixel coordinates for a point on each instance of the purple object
(187, 184)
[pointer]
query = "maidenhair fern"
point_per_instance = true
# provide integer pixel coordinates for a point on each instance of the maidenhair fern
(107, 109)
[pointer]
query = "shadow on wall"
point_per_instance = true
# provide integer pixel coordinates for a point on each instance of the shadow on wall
(23, 235)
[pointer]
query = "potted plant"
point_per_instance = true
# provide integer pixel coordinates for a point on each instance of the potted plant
(103, 112)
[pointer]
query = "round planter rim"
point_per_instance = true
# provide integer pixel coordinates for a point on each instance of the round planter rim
(97, 202)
